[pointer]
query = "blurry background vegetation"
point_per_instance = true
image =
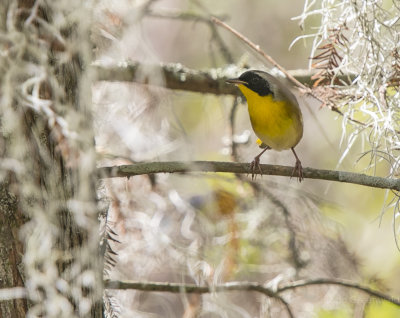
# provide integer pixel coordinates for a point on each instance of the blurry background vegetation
(217, 228)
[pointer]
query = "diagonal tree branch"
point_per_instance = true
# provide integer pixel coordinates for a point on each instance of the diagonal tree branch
(261, 52)
(243, 168)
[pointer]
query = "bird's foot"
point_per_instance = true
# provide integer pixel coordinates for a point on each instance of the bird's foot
(298, 169)
(255, 164)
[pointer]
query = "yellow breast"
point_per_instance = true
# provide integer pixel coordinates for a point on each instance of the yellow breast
(278, 123)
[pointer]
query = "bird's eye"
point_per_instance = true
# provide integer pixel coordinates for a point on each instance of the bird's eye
(255, 80)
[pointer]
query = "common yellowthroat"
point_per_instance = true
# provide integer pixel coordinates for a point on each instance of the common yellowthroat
(274, 114)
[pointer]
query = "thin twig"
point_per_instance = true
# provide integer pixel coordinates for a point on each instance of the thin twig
(339, 282)
(232, 117)
(261, 52)
(298, 262)
(243, 168)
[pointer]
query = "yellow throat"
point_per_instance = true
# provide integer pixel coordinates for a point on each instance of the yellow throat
(278, 123)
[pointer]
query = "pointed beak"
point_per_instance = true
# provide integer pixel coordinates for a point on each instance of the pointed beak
(235, 81)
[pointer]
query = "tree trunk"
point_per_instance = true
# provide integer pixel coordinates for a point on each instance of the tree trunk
(48, 211)
(11, 251)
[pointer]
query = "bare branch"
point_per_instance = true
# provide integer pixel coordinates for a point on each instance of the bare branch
(340, 282)
(19, 292)
(176, 76)
(189, 288)
(243, 168)
(245, 286)
(195, 289)
(184, 16)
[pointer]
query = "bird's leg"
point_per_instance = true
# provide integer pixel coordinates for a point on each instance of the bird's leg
(297, 167)
(256, 163)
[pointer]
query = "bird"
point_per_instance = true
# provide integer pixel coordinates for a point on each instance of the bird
(275, 115)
